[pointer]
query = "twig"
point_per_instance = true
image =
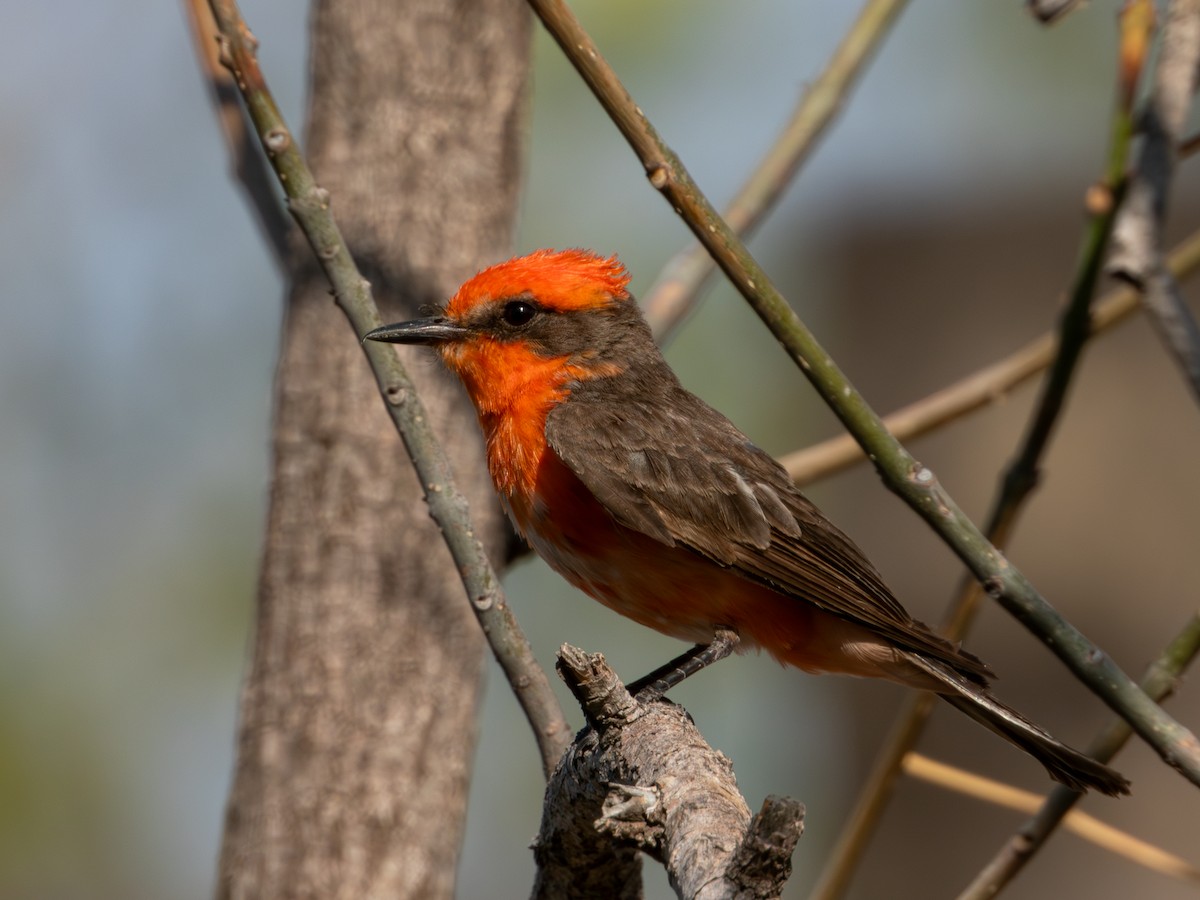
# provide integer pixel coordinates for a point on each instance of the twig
(1159, 682)
(909, 479)
(1022, 474)
(1174, 322)
(642, 776)
(1019, 480)
(309, 204)
(247, 161)
(1087, 827)
(1137, 242)
(678, 287)
(991, 383)
(984, 387)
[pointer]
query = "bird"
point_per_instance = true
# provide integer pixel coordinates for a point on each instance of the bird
(652, 502)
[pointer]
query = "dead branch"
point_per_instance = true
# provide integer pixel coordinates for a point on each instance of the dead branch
(641, 777)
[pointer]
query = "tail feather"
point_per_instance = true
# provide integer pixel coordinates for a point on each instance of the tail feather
(1065, 765)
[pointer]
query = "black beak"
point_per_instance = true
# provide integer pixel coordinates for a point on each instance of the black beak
(439, 330)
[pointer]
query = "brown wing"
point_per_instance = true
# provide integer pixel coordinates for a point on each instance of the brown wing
(665, 463)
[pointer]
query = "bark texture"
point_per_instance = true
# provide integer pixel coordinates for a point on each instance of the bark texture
(641, 777)
(357, 716)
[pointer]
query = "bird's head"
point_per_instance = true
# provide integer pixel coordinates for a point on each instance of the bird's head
(533, 324)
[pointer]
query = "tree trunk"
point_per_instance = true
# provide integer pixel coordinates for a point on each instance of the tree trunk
(357, 717)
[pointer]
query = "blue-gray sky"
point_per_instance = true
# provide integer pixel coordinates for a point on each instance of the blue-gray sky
(138, 349)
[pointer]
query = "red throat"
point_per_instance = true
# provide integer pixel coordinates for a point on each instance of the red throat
(513, 387)
(513, 390)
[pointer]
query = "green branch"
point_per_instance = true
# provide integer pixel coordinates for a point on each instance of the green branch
(983, 387)
(1018, 482)
(309, 204)
(678, 287)
(1159, 682)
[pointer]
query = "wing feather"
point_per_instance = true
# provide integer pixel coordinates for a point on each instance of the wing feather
(688, 477)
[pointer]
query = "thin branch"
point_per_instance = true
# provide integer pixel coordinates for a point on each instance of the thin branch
(982, 388)
(1174, 322)
(1103, 835)
(247, 162)
(309, 204)
(1016, 486)
(1159, 682)
(1022, 474)
(1137, 242)
(678, 287)
(911, 480)
(873, 798)
(992, 383)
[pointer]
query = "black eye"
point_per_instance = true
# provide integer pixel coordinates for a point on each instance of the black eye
(518, 312)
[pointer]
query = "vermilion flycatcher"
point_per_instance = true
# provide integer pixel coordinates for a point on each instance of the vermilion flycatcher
(652, 502)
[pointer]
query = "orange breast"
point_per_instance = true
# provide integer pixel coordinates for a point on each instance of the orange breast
(670, 589)
(675, 590)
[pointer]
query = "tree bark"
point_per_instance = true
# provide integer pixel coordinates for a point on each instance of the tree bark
(642, 777)
(357, 716)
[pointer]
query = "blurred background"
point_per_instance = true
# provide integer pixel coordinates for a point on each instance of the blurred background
(932, 233)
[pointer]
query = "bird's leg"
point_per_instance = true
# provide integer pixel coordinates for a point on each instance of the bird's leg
(650, 687)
